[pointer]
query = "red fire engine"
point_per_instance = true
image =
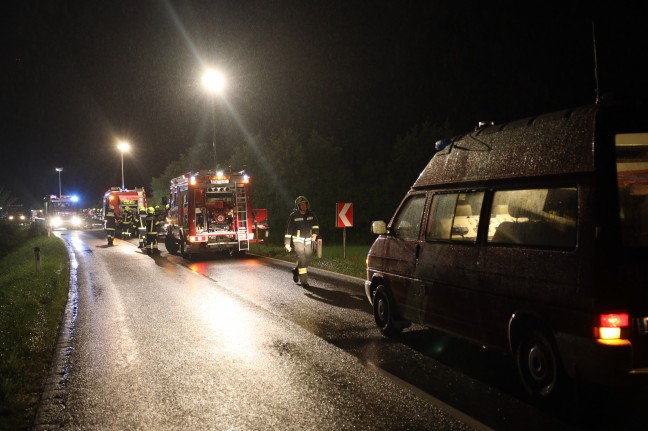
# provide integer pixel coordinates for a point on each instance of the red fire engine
(134, 199)
(210, 211)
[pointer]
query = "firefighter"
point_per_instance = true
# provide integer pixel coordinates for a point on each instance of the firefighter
(151, 231)
(302, 230)
(110, 224)
(161, 214)
(141, 227)
(126, 223)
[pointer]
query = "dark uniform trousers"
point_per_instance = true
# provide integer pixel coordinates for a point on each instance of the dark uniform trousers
(110, 226)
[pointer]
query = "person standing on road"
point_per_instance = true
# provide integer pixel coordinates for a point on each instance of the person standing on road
(302, 230)
(151, 231)
(141, 227)
(126, 223)
(110, 224)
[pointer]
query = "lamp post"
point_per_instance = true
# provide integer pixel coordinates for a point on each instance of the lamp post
(59, 170)
(123, 147)
(214, 82)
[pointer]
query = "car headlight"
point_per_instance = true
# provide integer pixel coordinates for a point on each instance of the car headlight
(76, 221)
(56, 221)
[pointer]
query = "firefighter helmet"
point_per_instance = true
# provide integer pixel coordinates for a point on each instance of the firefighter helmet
(151, 210)
(301, 199)
(127, 208)
(142, 209)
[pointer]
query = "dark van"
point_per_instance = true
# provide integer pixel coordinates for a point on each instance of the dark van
(530, 237)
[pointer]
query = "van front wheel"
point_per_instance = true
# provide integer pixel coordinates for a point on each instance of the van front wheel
(538, 365)
(384, 314)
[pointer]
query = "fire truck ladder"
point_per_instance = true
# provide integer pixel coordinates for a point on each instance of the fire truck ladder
(241, 217)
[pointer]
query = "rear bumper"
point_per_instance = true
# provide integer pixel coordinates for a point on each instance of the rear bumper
(592, 361)
(215, 247)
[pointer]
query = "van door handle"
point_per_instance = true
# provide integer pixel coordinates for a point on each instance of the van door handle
(417, 249)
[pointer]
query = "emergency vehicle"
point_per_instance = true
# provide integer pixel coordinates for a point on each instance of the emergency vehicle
(62, 212)
(133, 199)
(210, 211)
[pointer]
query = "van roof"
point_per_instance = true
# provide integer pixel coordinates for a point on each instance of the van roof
(554, 143)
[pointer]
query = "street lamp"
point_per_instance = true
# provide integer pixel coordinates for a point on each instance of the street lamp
(59, 170)
(214, 82)
(123, 147)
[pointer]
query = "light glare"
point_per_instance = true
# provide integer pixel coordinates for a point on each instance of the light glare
(123, 146)
(213, 81)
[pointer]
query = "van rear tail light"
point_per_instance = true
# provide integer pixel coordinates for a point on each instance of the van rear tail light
(611, 326)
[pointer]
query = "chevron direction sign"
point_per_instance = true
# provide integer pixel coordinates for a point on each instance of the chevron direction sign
(344, 214)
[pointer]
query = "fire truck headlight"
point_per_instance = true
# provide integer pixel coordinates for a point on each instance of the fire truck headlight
(76, 221)
(22, 217)
(10, 217)
(56, 221)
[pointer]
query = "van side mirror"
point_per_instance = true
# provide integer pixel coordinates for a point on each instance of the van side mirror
(378, 227)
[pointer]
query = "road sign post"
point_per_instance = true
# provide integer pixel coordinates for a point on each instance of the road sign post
(344, 220)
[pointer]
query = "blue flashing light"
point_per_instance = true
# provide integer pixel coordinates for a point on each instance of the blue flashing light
(442, 143)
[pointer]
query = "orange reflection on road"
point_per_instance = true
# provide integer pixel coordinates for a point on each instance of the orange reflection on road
(199, 268)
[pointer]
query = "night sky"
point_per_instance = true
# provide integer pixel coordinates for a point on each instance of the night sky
(78, 76)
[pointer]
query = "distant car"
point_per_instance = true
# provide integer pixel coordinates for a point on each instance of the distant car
(15, 215)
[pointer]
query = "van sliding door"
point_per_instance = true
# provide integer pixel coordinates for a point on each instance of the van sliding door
(448, 263)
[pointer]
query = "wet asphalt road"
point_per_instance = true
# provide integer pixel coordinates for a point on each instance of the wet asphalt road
(222, 343)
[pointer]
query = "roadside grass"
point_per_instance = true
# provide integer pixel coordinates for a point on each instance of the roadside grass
(354, 264)
(31, 303)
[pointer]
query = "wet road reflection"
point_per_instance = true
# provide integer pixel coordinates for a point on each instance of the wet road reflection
(222, 315)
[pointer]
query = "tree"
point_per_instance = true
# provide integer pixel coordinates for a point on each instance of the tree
(6, 198)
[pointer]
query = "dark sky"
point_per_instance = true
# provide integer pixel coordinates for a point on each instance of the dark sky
(77, 76)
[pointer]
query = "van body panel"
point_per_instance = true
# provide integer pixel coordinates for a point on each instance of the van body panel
(557, 241)
(550, 144)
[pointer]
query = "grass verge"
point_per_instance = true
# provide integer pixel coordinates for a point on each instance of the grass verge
(333, 257)
(31, 303)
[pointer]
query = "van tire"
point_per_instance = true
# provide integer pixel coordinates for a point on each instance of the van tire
(384, 313)
(538, 365)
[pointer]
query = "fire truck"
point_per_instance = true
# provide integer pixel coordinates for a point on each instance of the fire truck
(121, 198)
(62, 212)
(210, 211)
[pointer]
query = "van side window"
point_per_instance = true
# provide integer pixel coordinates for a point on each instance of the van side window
(455, 217)
(537, 217)
(632, 180)
(407, 223)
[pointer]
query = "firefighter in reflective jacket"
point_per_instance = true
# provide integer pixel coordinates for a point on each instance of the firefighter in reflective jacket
(302, 230)
(110, 224)
(141, 227)
(127, 222)
(151, 231)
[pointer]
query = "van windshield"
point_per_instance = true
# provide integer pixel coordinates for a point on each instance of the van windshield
(632, 176)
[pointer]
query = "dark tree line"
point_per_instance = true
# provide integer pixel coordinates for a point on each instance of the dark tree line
(286, 164)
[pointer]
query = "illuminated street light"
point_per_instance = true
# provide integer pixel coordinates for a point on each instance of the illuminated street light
(214, 82)
(59, 170)
(123, 147)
